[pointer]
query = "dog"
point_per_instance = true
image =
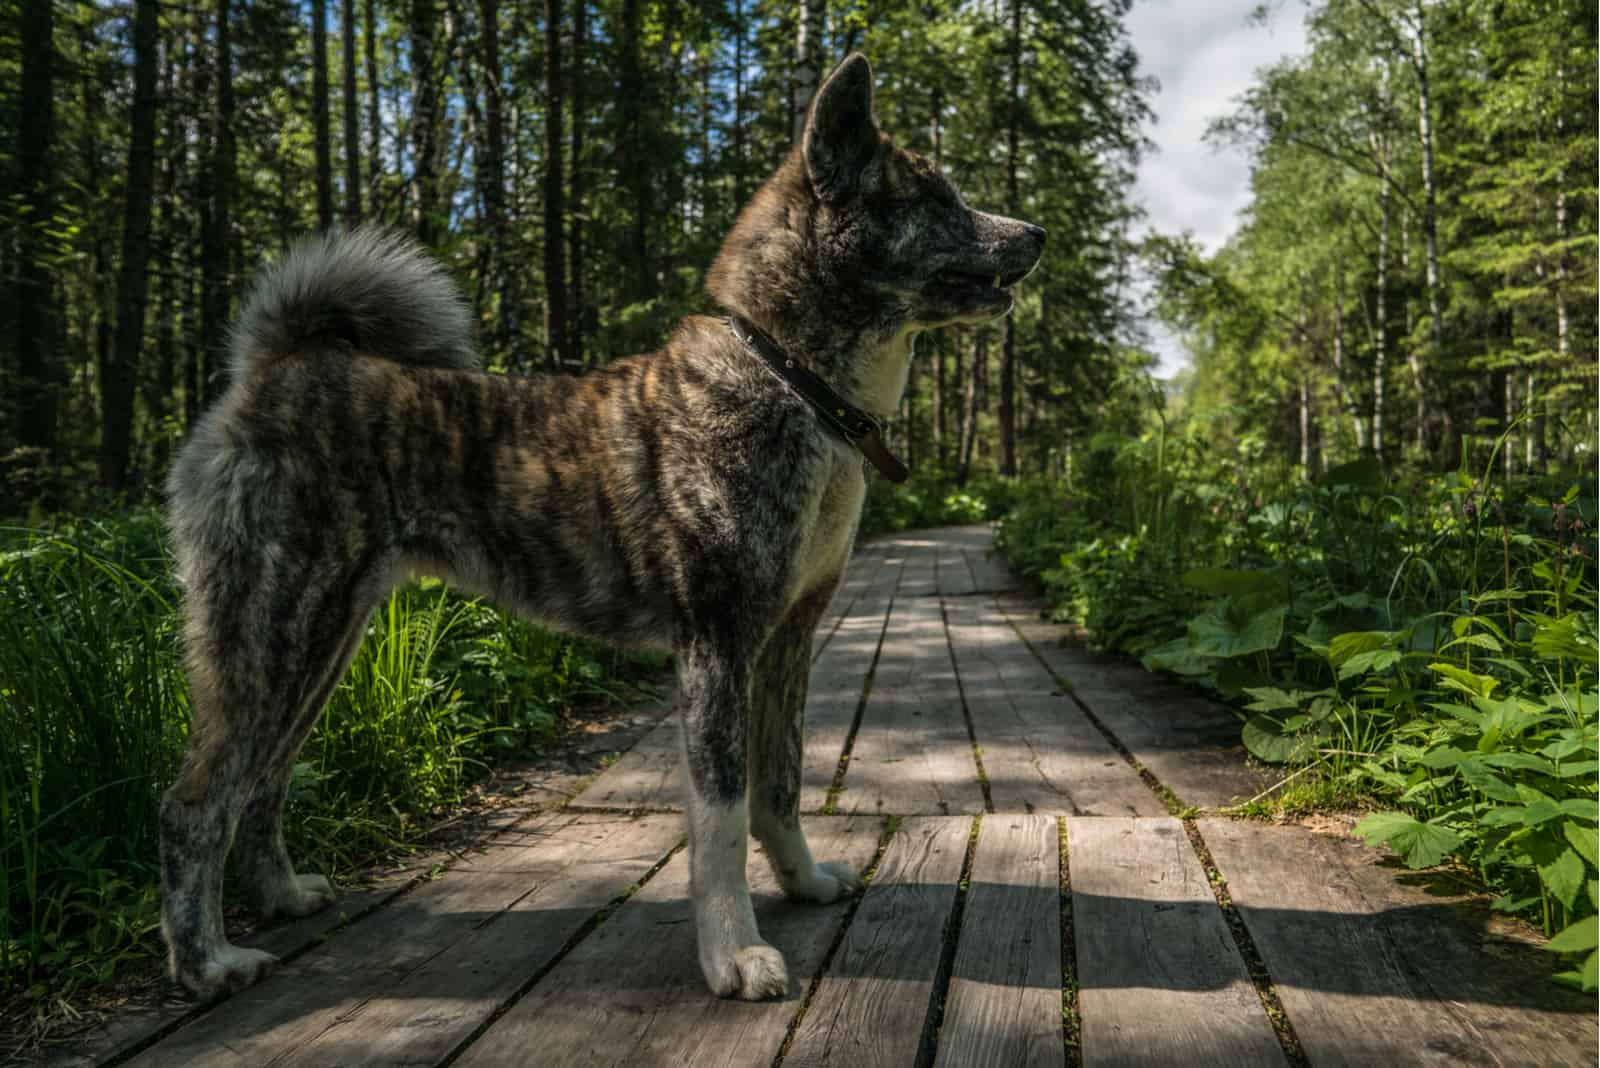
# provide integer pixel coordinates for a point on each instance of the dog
(704, 497)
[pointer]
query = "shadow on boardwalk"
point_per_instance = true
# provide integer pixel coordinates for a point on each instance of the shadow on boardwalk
(1033, 901)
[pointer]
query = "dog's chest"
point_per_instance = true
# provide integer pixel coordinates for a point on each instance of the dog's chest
(826, 549)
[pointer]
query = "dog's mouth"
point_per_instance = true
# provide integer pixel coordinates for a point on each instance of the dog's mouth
(972, 284)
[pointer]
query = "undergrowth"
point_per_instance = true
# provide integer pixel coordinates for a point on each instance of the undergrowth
(94, 713)
(1423, 644)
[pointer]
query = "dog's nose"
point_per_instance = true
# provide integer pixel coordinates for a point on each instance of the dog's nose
(1035, 233)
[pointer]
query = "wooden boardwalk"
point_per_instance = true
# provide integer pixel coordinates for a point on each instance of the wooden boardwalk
(1034, 897)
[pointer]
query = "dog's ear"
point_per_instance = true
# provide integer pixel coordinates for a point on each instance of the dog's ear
(841, 135)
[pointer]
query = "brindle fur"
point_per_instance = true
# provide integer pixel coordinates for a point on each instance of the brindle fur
(685, 497)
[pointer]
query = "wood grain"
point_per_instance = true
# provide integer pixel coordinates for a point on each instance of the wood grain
(446, 952)
(1159, 979)
(1040, 753)
(648, 776)
(632, 992)
(1004, 1002)
(912, 753)
(1189, 743)
(1372, 971)
(871, 1006)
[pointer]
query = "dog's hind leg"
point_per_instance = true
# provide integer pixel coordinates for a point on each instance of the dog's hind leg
(777, 719)
(252, 706)
(713, 689)
(266, 876)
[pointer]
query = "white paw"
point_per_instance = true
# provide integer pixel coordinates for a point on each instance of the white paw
(753, 973)
(230, 969)
(826, 883)
(762, 973)
(302, 896)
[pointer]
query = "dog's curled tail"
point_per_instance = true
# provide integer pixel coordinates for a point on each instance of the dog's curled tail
(371, 290)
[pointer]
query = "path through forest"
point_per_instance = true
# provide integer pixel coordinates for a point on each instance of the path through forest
(1053, 881)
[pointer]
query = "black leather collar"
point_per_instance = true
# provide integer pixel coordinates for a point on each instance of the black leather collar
(836, 413)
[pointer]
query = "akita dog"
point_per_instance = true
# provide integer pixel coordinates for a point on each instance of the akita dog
(704, 496)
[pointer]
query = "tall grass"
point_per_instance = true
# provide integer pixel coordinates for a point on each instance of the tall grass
(94, 713)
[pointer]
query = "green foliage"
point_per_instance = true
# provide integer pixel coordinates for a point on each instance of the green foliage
(927, 499)
(1429, 643)
(94, 710)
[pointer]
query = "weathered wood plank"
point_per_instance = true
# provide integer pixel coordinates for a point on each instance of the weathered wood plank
(871, 1005)
(1040, 753)
(1371, 971)
(838, 678)
(917, 579)
(648, 776)
(859, 573)
(490, 923)
(912, 754)
(954, 576)
(1004, 1002)
(1189, 743)
(1160, 981)
(990, 572)
(632, 993)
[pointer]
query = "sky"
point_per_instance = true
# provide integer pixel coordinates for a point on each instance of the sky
(1205, 55)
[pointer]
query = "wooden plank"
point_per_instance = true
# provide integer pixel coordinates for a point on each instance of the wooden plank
(1189, 743)
(917, 579)
(990, 572)
(510, 909)
(912, 753)
(632, 993)
(837, 680)
(648, 776)
(863, 567)
(871, 1005)
(1004, 1002)
(954, 576)
(1040, 753)
(1371, 971)
(1160, 981)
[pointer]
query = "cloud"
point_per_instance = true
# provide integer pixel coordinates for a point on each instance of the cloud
(1205, 56)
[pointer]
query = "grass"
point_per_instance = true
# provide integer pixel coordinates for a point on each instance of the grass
(94, 710)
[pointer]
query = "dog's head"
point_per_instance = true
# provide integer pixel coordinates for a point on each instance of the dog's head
(875, 224)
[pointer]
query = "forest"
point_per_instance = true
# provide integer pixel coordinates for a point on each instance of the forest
(1364, 514)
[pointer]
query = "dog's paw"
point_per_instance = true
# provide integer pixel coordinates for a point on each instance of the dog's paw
(827, 883)
(753, 973)
(228, 970)
(300, 896)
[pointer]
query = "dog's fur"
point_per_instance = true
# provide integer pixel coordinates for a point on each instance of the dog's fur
(687, 497)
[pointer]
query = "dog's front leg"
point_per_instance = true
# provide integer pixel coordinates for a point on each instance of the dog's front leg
(713, 686)
(777, 739)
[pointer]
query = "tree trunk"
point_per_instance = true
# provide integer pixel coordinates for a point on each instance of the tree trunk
(425, 217)
(1008, 348)
(321, 135)
(35, 292)
(352, 123)
(575, 183)
(492, 182)
(738, 106)
(807, 61)
(634, 113)
(555, 281)
(120, 375)
(218, 204)
(1380, 357)
(974, 403)
(369, 48)
(1428, 403)
(1341, 370)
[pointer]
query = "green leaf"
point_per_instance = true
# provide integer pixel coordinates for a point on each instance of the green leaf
(1217, 633)
(1577, 937)
(1365, 473)
(1227, 582)
(1373, 660)
(1466, 681)
(1445, 756)
(1584, 840)
(1420, 845)
(1271, 699)
(1177, 657)
(1564, 878)
(1264, 737)
(1584, 808)
(1486, 782)
(1344, 646)
(1540, 812)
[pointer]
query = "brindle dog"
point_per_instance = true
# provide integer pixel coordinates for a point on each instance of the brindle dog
(688, 497)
